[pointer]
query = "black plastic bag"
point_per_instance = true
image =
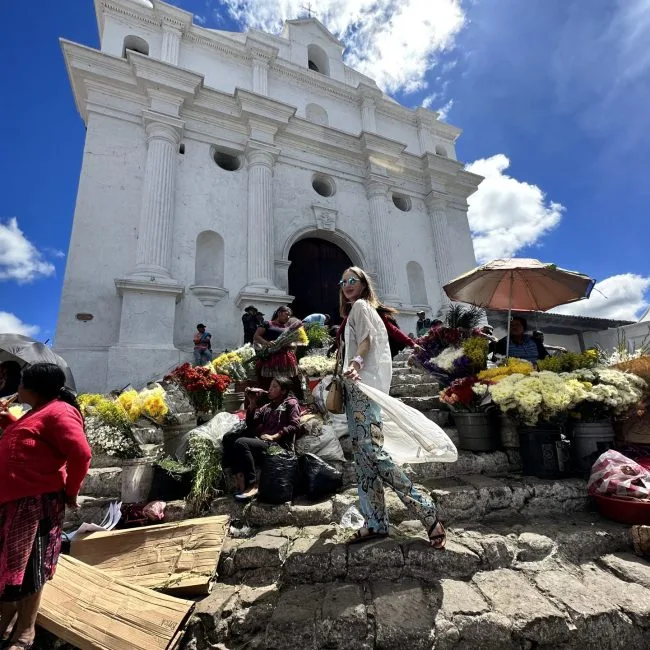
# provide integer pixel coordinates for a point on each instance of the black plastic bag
(319, 479)
(278, 477)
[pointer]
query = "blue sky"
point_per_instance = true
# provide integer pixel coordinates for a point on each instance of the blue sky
(552, 96)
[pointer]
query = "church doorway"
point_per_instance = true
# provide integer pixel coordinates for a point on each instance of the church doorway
(314, 274)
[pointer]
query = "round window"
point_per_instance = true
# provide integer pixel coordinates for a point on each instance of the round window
(227, 161)
(402, 203)
(323, 185)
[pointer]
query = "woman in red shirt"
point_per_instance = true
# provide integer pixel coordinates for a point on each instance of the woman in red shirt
(44, 458)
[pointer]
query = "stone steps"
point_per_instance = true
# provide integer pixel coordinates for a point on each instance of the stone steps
(415, 390)
(548, 584)
(102, 482)
(422, 403)
(467, 498)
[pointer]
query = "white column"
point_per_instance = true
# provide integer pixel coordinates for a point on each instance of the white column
(260, 218)
(171, 44)
(154, 250)
(379, 224)
(368, 118)
(441, 240)
(260, 76)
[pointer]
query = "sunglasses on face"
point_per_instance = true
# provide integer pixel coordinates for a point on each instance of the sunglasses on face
(350, 282)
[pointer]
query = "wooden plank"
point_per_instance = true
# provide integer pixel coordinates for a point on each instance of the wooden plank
(179, 558)
(93, 611)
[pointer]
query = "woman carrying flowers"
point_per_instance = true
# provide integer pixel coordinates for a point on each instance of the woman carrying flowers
(367, 357)
(283, 362)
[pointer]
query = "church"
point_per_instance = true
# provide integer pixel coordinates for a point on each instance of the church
(226, 169)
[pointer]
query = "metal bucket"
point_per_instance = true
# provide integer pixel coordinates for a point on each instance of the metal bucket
(137, 477)
(590, 440)
(476, 432)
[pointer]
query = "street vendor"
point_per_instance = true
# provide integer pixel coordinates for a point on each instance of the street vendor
(521, 346)
(274, 423)
(202, 346)
(283, 362)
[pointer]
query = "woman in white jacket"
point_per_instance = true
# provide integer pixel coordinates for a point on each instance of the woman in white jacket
(367, 357)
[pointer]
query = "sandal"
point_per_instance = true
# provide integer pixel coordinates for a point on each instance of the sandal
(23, 645)
(439, 540)
(360, 536)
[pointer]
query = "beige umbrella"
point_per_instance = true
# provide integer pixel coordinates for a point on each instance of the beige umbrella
(519, 284)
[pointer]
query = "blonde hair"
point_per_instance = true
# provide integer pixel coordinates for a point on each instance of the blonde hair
(368, 294)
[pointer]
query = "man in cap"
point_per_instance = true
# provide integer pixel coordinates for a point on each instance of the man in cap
(423, 325)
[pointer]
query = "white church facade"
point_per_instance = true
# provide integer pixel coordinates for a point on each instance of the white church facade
(222, 170)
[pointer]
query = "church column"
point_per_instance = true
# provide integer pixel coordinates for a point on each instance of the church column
(368, 119)
(153, 255)
(261, 76)
(377, 193)
(171, 43)
(441, 240)
(260, 218)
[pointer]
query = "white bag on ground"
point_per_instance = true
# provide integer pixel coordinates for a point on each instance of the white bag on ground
(320, 439)
(340, 425)
(409, 436)
(214, 430)
(320, 393)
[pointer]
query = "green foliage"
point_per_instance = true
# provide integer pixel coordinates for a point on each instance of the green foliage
(463, 317)
(569, 361)
(205, 459)
(173, 467)
(318, 335)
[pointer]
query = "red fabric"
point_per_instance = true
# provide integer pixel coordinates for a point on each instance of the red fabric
(396, 333)
(44, 451)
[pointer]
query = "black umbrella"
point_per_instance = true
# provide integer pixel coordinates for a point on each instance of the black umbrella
(26, 351)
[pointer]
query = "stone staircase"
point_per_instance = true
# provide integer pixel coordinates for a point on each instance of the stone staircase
(528, 564)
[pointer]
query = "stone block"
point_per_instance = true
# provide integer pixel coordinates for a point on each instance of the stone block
(489, 630)
(424, 563)
(293, 622)
(312, 514)
(628, 567)
(460, 597)
(533, 547)
(91, 509)
(381, 559)
(414, 389)
(219, 603)
(422, 403)
(344, 621)
(308, 561)
(103, 482)
(535, 619)
(404, 617)
(597, 620)
(261, 551)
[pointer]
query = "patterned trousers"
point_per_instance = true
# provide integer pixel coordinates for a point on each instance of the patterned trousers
(375, 468)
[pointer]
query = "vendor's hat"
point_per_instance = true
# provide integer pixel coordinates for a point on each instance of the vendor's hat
(420, 313)
(251, 308)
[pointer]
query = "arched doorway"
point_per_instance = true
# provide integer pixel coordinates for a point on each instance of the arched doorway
(316, 268)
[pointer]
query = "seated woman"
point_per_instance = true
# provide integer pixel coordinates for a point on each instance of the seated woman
(522, 346)
(274, 423)
(282, 363)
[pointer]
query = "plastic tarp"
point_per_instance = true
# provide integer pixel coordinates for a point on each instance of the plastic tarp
(214, 430)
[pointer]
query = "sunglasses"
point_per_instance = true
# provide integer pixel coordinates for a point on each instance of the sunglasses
(350, 282)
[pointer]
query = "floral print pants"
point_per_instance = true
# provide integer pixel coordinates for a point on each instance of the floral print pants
(375, 467)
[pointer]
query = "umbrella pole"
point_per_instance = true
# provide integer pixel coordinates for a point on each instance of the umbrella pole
(509, 318)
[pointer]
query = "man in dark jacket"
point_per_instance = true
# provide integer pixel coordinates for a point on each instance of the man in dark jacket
(250, 321)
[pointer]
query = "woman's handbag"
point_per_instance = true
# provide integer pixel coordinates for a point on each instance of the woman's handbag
(334, 401)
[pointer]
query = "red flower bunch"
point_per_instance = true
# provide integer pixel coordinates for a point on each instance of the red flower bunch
(199, 378)
(461, 395)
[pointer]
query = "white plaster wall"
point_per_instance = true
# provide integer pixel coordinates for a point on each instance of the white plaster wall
(103, 242)
(460, 237)
(398, 131)
(222, 73)
(634, 334)
(115, 31)
(209, 198)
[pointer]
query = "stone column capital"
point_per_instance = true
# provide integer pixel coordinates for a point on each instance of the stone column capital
(171, 26)
(436, 201)
(376, 188)
(261, 155)
(162, 127)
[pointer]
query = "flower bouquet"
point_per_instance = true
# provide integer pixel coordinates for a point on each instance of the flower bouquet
(513, 366)
(469, 395)
(108, 427)
(150, 403)
(294, 334)
(204, 387)
(230, 364)
(317, 365)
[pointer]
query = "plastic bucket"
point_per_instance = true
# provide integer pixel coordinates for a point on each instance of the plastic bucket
(590, 440)
(476, 432)
(137, 477)
(173, 436)
(544, 453)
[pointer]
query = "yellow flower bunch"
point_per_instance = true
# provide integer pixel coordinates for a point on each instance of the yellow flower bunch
(150, 402)
(112, 413)
(303, 339)
(569, 361)
(130, 402)
(224, 361)
(476, 350)
(514, 367)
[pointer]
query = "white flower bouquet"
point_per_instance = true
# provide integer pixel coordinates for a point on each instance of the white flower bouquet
(317, 365)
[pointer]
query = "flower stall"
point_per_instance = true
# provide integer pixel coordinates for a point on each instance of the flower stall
(204, 386)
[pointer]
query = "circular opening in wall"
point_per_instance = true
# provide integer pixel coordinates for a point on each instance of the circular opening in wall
(401, 202)
(228, 161)
(323, 185)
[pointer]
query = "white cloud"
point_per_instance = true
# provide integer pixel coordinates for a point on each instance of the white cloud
(505, 214)
(621, 297)
(443, 112)
(19, 259)
(394, 43)
(11, 324)
(200, 20)
(427, 102)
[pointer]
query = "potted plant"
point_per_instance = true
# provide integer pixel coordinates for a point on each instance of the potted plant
(469, 400)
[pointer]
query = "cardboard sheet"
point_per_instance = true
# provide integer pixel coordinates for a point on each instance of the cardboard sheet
(93, 611)
(180, 558)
